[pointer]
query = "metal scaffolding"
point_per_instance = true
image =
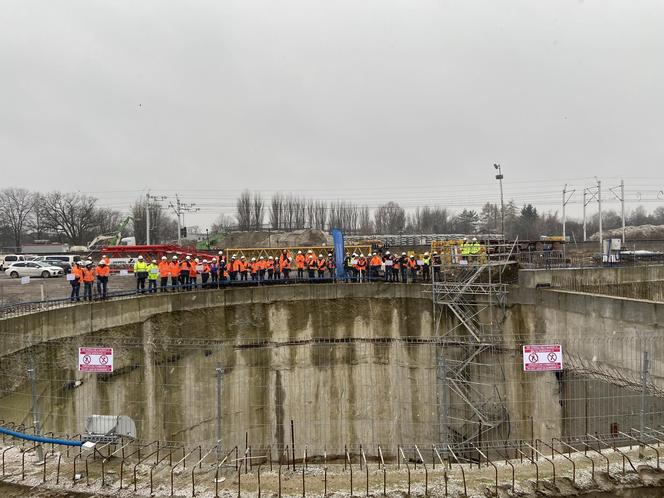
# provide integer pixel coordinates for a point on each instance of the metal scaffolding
(469, 299)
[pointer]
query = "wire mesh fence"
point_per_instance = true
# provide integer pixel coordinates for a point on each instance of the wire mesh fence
(331, 393)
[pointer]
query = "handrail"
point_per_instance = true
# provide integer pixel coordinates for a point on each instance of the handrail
(553, 465)
(199, 463)
(553, 450)
(407, 468)
(642, 442)
(184, 459)
(463, 473)
(495, 468)
(592, 462)
(533, 462)
(141, 460)
(624, 455)
(426, 471)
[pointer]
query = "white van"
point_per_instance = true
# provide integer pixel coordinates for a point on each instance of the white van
(65, 258)
(11, 259)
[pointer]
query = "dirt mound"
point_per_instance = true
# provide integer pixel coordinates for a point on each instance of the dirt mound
(306, 237)
(641, 232)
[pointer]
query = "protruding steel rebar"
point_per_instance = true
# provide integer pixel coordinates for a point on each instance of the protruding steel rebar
(405, 461)
(426, 472)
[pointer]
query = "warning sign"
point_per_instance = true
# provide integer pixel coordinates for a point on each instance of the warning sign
(542, 358)
(95, 360)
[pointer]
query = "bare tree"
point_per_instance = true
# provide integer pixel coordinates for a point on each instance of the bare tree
(365, 225)
(257, 211)
(35, 222)
(73, 215)
(390, 218)
(244, 210)
(277, 214)
(311, 213)
(160, 223)
(16, 204)
(320, 215)
(223, 223)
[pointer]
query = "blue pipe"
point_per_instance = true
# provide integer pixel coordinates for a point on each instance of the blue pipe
(39, 439)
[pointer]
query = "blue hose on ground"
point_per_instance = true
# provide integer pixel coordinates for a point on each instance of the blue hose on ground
(40, 439)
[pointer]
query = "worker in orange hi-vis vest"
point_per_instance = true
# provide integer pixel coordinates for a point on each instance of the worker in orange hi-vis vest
(374, 266)
(175, 273)
(361, 266)
(164, 273)
(269, 267)
(321, 266)
(285, 264)
(262, 266)
(243, 268)
(299, 264)
(102, 272)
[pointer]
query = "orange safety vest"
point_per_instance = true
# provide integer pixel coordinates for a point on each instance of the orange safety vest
(242, 265)
(412, 263)
(235, 265)
(107, 260)
(299, 261)
(322, 264)
(192, 269)
(361, 264)
(77, 272)
(375, 260)
(311, 262)
(174, 268)
(88, 275)
(164, 269)
(102, 271)
(184, 266)
(284, 263)
(269, 264)
(206, 268)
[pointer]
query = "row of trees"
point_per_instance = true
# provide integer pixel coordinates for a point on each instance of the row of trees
(72, 218)
(289, 212)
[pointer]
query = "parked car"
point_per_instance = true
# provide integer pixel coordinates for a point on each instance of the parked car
(10, 259)
(67, 258)
(55, 261)
(34, 269)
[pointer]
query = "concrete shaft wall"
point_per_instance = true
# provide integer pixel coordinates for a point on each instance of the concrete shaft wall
(348, 364)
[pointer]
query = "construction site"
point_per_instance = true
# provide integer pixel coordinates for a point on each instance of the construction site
(337, 388)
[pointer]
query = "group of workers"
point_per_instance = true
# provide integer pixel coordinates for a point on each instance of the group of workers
(83, 273)
(188, 272)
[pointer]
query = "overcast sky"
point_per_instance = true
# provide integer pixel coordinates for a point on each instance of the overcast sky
(369, 100)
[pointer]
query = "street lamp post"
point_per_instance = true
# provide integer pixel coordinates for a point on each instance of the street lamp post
(499, 177)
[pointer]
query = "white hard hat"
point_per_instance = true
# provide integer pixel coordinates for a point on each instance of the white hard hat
(374, 253)
(403, 253)
(154, 260)
(354, 254)
(474, 239)
(270, 257)
(329, 254)
(320, 255)
(174, 258)
(242, 257)
(220, 252)
(140, 257)
(299, 252)
(233, 256)
(205, 261)
(261, 257)
(387, 253)
(361, 255)
(214, 259)
(188, 257)
(102, 262)
(103, 255)
(435, 253)
(309, 251)
(196, 260)
(163, 257)
(253, 259)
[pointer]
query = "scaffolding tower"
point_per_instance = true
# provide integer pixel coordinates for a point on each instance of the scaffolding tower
(469, 300)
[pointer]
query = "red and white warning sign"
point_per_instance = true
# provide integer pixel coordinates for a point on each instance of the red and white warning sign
(542, 358)
(95, 360)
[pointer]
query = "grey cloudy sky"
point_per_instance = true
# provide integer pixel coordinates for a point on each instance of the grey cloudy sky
(368, 100)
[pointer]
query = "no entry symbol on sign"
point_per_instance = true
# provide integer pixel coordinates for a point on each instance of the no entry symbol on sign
(543, 357)
(95, 359)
